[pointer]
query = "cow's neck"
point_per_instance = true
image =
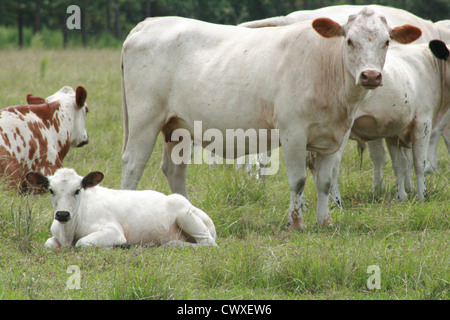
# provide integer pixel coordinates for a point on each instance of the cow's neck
(63, 125)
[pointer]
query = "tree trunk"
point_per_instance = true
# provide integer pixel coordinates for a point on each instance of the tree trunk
(37, 25)
(20, 27)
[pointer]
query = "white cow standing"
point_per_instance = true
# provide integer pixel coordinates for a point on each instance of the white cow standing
(304, 80)
(377, 104)
(87, 215)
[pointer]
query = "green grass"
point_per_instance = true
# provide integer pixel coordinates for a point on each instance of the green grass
(259, 256)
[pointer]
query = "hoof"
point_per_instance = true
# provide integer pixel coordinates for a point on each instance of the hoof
(299, 225)
(328, 222)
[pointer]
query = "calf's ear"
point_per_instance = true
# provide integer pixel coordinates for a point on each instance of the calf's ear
(439, 49)
(406, 33)
(327, 28)
(37, 180)
(32, 99)
(80, 96)
(92, 179)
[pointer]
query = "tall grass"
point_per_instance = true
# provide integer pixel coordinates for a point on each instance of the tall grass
(259, 256)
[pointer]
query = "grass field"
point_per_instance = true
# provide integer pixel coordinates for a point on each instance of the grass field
(258, 257)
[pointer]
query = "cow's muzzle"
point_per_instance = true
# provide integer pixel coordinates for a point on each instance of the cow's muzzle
(62, 216)
(371, 79)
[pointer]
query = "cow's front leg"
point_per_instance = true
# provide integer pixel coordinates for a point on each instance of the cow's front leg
(294, 152)
(107, 237)
(324, 173)
(52, 243)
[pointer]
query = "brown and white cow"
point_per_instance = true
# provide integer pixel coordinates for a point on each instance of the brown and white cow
(304, 80)
(37, 136)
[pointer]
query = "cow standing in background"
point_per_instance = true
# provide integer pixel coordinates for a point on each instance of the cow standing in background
(304, 80)
(37, 136)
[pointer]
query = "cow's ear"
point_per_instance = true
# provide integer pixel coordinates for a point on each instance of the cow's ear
(80, 96)
(327, 28)
(92, 179)
(406, 33)
(32, 99)
(37, 180)
(439, 49)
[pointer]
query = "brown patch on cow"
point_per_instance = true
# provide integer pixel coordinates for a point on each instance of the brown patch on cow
(406, 33)
(170, 126)
(14, 170)
(32, 99)
(327, 28)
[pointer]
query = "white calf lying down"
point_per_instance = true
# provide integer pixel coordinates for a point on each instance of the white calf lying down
(90, 215)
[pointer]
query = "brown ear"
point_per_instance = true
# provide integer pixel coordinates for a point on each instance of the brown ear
(327, 28)
(92, 179)
(406, 33)
(80, 96)
(37, 180)
(32, 99)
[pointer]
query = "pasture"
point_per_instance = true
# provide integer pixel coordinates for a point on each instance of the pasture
(258, 257)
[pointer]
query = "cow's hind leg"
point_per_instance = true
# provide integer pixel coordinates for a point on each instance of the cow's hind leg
(174, 167)
(138, 149)
(377, 155)
(192, 221)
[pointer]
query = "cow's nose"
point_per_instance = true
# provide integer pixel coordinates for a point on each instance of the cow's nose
(371, 79)
(62, 216)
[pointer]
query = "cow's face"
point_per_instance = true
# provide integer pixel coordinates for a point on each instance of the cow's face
(367, 37)
(65, 188)
(76, 102)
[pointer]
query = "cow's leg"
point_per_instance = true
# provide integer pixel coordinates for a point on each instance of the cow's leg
(324, 171)
(294, 152)
(176, 174)
(420, 140)
(446, 136)
(378, 157)
(335, 194)
(109, 236)
(409, 183)
(399, 163)
(191, 220)
(52, 243)
(139, 146)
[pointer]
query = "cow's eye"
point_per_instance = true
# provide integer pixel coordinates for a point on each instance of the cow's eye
(387, 43)
(77, 192)
(350, 42)
(51, 191)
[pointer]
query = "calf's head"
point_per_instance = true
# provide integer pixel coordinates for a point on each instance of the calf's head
(75, 102)
(367, 37)
(66, 188)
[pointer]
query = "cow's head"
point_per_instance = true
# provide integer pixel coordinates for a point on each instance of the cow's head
(65, 188)
(75, 101)
(367, 37)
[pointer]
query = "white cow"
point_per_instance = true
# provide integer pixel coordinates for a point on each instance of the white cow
(305, 80)
(416, 88)
(89, 215)
(394, 17)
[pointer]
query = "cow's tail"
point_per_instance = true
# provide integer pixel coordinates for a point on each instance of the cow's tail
(124, 107)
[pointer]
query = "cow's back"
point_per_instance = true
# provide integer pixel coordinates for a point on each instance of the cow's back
(226, 76)
(25, 136)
